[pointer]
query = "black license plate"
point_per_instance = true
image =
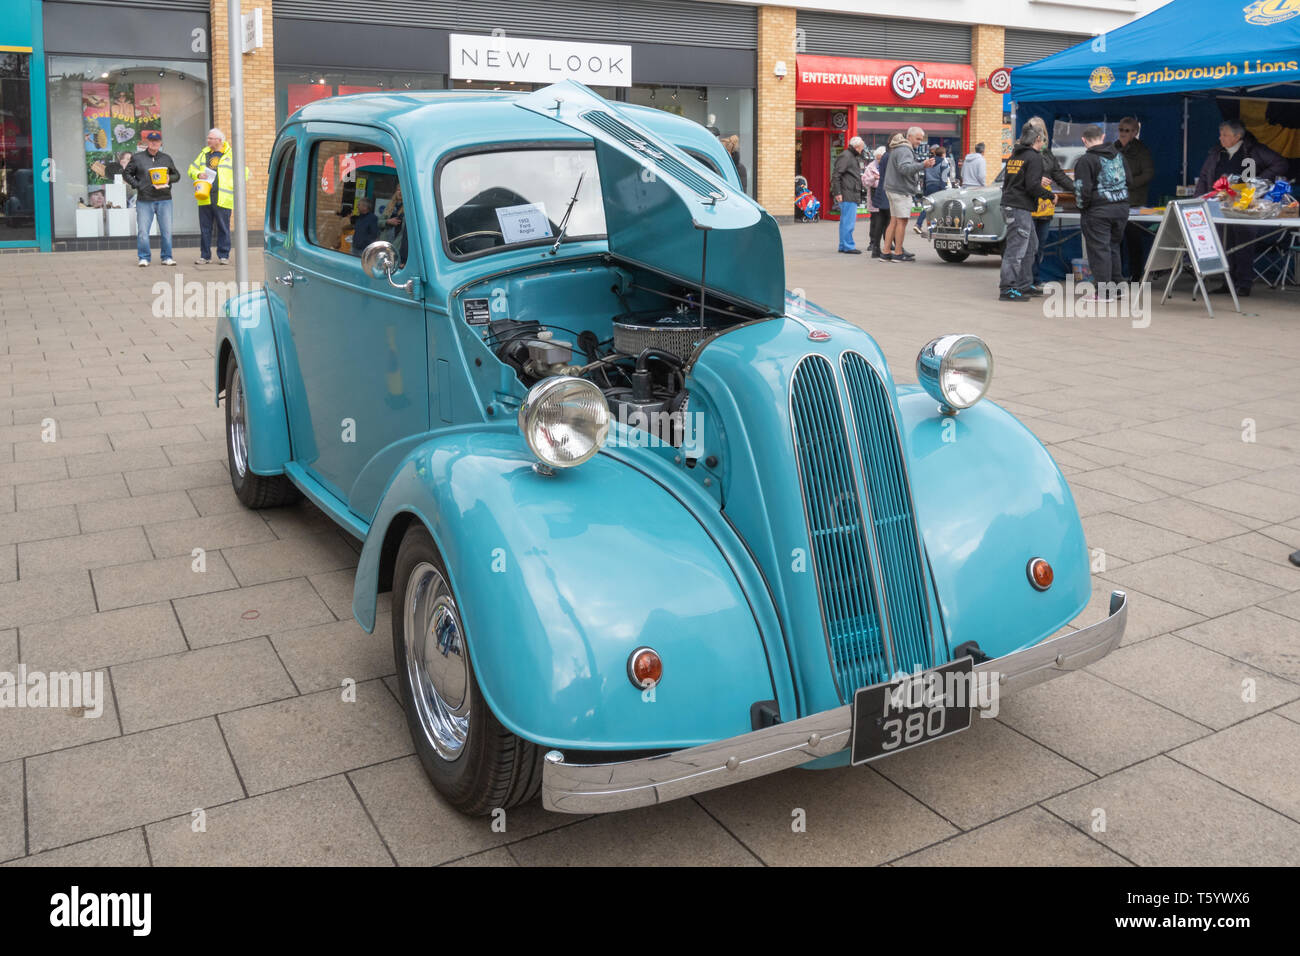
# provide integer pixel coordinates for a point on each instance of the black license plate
(954, 245)
(912, 710)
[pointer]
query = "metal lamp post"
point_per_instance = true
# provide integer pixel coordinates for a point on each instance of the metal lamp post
(240, 224)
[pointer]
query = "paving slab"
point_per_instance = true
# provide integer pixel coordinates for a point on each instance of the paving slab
(102, 787)
(292, 741)
(1188, 679)
(421, 829)
(251, 612)
(1028, 837)
(125, 848)
(210, 680)
(316, 824)
(1161, 813)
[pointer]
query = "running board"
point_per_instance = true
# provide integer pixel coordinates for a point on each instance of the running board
(326, 501)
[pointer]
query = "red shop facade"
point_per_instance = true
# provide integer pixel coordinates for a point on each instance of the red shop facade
(838, 98)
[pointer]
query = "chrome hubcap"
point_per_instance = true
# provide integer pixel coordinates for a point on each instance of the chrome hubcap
(238, 425)
(436, 660)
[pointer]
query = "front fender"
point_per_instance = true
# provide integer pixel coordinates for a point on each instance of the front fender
(988, 499)
(560, 578)
(245, 330)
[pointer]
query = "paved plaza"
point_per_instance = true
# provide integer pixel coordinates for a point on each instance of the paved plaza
(226, 738)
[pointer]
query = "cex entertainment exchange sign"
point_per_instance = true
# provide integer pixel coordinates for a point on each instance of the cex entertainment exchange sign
(503, 59)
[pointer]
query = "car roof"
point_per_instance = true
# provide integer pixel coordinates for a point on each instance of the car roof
(434, 121)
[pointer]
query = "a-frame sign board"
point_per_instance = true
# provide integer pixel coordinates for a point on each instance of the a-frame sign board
(1187, 237)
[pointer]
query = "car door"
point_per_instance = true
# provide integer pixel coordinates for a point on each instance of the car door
(360, 343)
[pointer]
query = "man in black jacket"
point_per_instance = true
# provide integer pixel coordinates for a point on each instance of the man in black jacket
(1101, 184)
(1141, 170)
(1022, 188)
(846, 187)
(151, 172)
(1057, 176)
(1239, 154)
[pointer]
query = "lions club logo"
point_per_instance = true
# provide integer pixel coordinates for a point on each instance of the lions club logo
(907, 82)
(1101, 79)
(1264, 13)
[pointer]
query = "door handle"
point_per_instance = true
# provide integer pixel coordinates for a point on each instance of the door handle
(286, 279)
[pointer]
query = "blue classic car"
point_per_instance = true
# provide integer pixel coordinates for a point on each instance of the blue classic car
(651, 525)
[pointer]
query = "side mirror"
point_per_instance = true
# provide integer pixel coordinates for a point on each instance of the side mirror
(379, 260)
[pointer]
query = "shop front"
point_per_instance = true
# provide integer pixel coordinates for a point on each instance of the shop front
(838, 98)
(24, 204)
(614, 49)
(109, 82)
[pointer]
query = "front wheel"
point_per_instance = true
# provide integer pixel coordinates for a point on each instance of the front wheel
(473, 761)
(254, 491)
(948, 255)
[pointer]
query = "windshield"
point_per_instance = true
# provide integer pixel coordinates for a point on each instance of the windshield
(516, 197)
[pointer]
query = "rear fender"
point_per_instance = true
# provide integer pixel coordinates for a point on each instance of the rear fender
(245, 332)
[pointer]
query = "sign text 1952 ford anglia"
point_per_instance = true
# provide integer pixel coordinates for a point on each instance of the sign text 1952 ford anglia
(651, 525)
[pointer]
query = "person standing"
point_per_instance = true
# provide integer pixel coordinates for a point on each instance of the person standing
(902, 182)
(877, 204)
(974, 171)
(1141, 170)
(215, 165)
(1101, 184)
(366, 228)
(1021, 191)
(846, 180)
(1238, 154)
(1053, 174)
(151, 173)
(732, 145)
(937, 178)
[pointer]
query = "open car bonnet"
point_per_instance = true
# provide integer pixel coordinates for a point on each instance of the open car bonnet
(660, 204)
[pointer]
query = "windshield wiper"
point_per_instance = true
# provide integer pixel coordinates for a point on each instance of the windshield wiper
(564, 223)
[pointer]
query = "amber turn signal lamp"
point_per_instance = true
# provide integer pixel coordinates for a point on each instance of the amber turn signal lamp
(644, 668)
(1040, 574)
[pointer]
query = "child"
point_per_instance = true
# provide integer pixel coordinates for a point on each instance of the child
(1101, 184)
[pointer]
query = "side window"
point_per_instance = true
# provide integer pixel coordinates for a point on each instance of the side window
(283, 191)
(356, 199)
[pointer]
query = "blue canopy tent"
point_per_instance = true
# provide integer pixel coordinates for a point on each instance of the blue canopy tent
(1181, 70)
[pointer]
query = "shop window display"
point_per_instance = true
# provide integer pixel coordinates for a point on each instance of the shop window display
(17, 174)
(295, 87)
(725, 111)
(100, 108)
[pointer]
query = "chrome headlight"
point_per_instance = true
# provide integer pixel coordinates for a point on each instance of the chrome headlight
(927, 204)
(955, 370)
(979, 205)
(565, 420)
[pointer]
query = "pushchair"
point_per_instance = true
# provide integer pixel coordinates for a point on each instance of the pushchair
(807, 207)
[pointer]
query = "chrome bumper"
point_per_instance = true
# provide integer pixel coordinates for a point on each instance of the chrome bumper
(601, 788)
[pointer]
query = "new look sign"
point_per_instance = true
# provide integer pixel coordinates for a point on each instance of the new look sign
(502, 59)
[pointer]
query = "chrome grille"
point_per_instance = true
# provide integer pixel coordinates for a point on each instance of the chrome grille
(836, 530)
(894, 522)
(951, 214)
(866, 551)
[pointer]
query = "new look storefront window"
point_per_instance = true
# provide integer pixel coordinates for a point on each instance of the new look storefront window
(726, 112)
(295, 87)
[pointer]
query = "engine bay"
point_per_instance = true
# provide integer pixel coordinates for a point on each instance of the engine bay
(634, 338)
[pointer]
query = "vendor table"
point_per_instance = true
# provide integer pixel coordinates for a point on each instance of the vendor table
(1272, 228)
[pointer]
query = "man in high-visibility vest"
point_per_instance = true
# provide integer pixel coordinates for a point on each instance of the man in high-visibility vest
(216, 200)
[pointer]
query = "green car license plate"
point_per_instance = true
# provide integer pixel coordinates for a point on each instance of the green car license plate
(912, 710)
(953, 245)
